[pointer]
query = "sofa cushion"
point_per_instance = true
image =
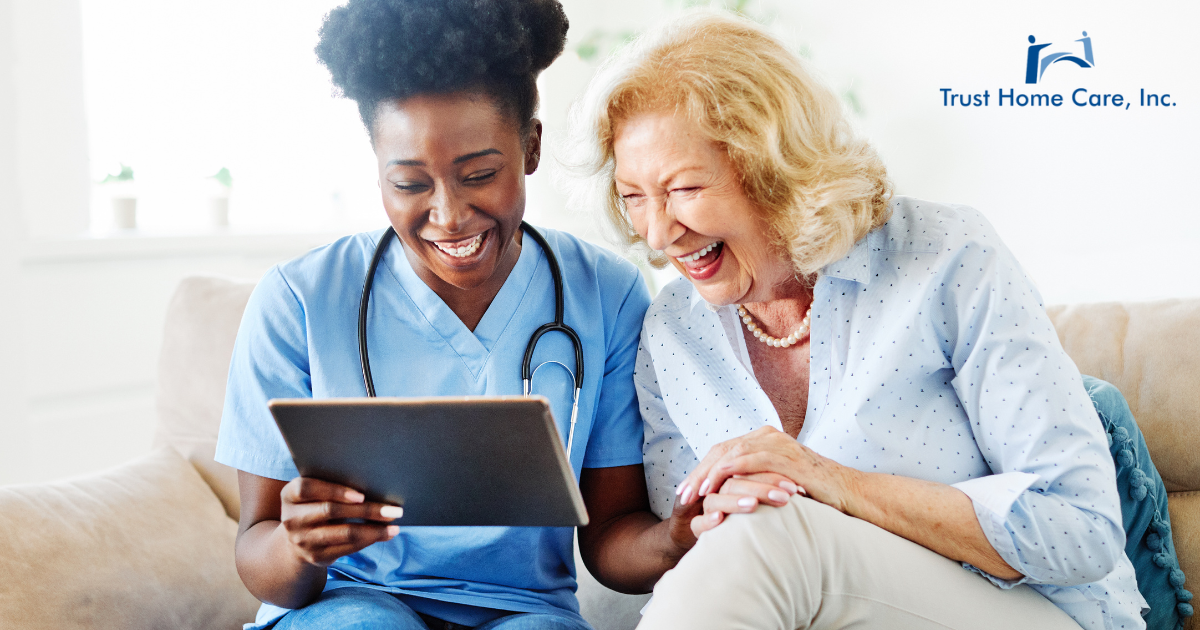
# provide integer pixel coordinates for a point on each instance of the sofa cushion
(145, 545)
(1148, 542)
(201, 324)
(1185, 532)
(1147, 350)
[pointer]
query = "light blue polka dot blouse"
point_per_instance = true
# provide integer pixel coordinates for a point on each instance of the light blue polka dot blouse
(931, 357)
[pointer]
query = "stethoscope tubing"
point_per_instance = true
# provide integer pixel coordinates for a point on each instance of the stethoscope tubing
(558, 325)
(363, 355)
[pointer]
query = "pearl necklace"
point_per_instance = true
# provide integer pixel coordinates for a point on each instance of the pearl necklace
(775, 342)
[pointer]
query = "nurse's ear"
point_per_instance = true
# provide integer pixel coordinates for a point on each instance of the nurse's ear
(533, 146)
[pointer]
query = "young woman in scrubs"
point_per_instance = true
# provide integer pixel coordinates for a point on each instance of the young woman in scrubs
(446, 89)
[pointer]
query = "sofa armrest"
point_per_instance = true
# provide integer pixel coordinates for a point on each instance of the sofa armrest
(145, 545)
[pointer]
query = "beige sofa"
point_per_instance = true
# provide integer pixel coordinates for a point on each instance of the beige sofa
(150, 544)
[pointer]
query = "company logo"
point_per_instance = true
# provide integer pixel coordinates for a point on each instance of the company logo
(1039, 58)
(1036, 63)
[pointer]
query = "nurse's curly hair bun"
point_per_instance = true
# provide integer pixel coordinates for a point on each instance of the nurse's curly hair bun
(377, 50)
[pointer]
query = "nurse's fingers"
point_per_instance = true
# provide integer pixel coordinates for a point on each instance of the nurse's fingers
(324, 545)
(309, 489)
(765, 493)
(705, 522)
(680, 526)
(729, 504)
(299, 515)
(746, 499)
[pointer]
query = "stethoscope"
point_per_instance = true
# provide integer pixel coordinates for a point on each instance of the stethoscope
(526, 374)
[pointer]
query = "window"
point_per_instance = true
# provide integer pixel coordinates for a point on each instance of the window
(178, 91)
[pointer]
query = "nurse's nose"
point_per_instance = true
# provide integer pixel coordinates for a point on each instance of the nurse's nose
(448, 210)
(661, 227)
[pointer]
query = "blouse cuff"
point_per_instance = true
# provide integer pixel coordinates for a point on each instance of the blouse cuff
(992, 497)
(997, 493)
(1002, 583)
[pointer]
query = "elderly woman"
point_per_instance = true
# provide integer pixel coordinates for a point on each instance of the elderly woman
(879, 372)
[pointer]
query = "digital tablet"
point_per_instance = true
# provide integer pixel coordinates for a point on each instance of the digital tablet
(464, 460)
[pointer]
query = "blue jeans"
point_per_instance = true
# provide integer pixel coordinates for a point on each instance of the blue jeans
(355, 608)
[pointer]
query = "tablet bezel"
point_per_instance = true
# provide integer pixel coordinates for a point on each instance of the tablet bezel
(503, 462)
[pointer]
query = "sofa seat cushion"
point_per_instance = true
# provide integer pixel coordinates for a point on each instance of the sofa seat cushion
(145, 545)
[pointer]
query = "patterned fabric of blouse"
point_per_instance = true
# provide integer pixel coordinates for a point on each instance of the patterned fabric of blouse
(931, 357)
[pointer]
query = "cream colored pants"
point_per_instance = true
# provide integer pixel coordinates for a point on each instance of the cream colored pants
(807, 565)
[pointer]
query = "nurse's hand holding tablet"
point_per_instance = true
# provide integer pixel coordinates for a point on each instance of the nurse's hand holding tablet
(315, 514)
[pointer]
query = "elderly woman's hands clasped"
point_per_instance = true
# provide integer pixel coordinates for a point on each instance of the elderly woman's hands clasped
(765, 466)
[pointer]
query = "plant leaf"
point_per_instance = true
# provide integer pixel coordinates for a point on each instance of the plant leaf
(223, 177)
(126, 175)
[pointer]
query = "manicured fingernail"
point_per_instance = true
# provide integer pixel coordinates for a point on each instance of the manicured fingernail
(800, 490)
(391, 511)
(747, 502)
(716, 516)
(686, 497)
(679, 489)
(788, 486)
(392, 530)
(778, 496)
(354, 496)
(704, 487)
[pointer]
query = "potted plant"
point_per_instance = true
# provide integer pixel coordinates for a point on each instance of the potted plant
(124, 201)
(218, 200)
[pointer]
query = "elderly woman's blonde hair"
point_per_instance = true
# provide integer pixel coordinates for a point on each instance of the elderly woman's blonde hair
(820, 186)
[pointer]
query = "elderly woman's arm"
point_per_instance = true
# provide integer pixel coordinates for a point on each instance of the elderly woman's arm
(1050, 512)
(933, 515)
(1059, 531)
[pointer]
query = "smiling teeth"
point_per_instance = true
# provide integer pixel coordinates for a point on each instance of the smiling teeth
(465, 250)
(697, 255)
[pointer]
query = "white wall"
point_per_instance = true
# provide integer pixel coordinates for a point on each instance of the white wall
(43, 189)
(11, 231)
(51, 134)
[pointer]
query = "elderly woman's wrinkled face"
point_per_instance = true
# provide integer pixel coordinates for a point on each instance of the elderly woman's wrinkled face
(685, 198)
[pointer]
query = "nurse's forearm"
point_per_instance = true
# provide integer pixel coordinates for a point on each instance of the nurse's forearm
(625, 546)
(272, 571)
(633, 552)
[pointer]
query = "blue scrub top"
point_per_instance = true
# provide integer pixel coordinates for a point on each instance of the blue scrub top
(298, 338)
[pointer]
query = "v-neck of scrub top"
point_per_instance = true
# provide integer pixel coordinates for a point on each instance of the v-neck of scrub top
(473, 347)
